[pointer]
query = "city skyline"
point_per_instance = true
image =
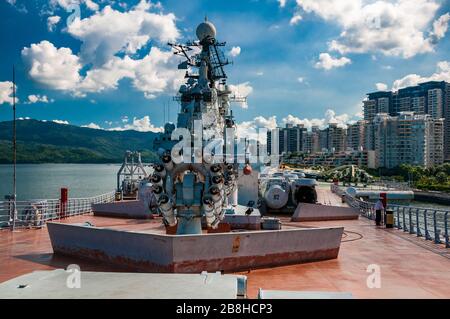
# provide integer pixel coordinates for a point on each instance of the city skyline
(294, 60)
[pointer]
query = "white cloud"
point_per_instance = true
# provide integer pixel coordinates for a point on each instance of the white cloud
(55, 68)
(61, 122)
(52, 21)
(327, 62)
(140, 125)
(282, 3)
(300, 79)
(381, 86)
(241, 90)
(330, 117)
(92, 126)
(109, 32)
(6, 92)
(104, 35)
(65, 4)
(260, 73)
(33, 98)
(440, 27)
(235, 51)
(442, 74)
(124, 119)
(249, 129)
(397, 27)
(296, 18)
(60, 69)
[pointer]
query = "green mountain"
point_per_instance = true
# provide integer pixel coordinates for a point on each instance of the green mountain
(50, 142)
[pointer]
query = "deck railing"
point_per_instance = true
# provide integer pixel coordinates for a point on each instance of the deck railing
(429, 223)
(35, 213)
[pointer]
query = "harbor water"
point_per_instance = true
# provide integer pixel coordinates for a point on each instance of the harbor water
(44, 181)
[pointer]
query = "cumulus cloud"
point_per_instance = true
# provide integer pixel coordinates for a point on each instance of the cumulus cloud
(442, 74)
(327, 62)
(252, 129)
(296, 18)
(92, 126)
(61, 122)
(60, 69)
(397, 27)
(242, 90)
(52, 67)
(235, 51)
(52, 21)
(381, 86)
(440, 27)
(329, 117)
(110, 31)
(36, 98)
(66, 4)
(282, 3)
(6, 92)
(110, 39)
(140, 125)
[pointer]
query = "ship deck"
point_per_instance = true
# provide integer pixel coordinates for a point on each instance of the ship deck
(410, 267)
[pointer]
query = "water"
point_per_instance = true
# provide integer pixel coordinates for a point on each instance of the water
(429, 205)
(44, 181)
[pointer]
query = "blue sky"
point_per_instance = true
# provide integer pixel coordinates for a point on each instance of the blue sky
(302, 61)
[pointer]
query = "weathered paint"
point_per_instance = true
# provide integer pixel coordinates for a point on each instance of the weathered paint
(123, 209)
(196, 253)
(313, 212)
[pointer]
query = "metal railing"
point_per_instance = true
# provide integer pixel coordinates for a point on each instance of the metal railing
(429, 223)
(35, 213)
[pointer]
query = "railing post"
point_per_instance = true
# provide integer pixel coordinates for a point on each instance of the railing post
(425, 220)
(404, 219)
(437, 237)
(411, 225)
(399, 225)
(447, 240)
(418, 232)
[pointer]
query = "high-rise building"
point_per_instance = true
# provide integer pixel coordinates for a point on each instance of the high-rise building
(333, 138)
(432, 98)
(377, 102)
(290, 139)
(408, 138)
(356, 136)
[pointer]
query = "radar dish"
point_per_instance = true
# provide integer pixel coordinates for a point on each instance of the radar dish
(206, 29)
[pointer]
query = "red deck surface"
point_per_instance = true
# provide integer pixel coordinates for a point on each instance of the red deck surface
(410, 267)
